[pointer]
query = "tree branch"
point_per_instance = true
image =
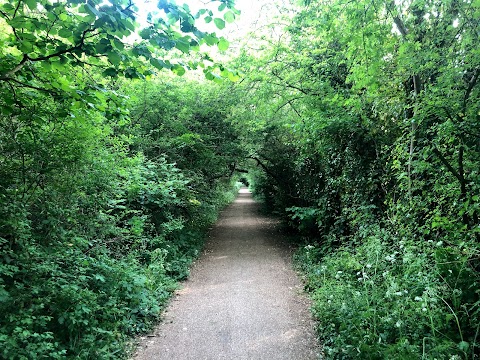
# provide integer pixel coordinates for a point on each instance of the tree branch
(20, 65)
(265, 168)
(287, 84)
(447, 164)
(396, 19)
(400, 26)
(471, 84)
(66, 51)
(5, 15)
(17, 7)
(289, 102)
(461, 172)
(26, 58)
(31, 86)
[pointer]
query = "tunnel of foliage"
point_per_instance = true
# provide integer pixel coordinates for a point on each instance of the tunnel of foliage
(107, 185)
(359, 123)
(366, 125)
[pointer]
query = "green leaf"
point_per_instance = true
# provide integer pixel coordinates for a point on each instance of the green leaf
(128, 23)
(208, 19)
(118, 44)
(211, 40)
(233, 77)
(463, 346)
(8, 7)
(63, 17)
(114, 58)
(65, 33)
(46, 65)
(112, 72)
(194, 46)
(17, 22)
(183, 46)
(6, 110)
(145, 33)
(209, 76)
(159, 64)
(219, 23)
(25, 46)
(222, 7)
(186, 26)
(93, 10)
(132, 73)
(229, 17)
(84, 10)
(223, 44)
(51, 16)
(178, 69)
(32, 4)
(99, 277)
(103, 46)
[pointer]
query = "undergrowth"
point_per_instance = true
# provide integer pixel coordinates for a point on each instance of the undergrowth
(98, 223)
(78, 301)
(386, 299)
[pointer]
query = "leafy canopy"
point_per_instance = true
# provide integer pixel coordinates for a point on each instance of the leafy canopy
(61, 47)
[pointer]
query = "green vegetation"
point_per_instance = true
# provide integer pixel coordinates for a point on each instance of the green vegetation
(369, 145)
(104, 198)
(358, 122)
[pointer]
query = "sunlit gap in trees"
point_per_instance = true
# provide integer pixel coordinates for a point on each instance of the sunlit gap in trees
(403, 7)
(249, 12)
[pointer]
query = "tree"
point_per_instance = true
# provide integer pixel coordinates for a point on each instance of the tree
(60, 47)
(373, 106)
(94, 229)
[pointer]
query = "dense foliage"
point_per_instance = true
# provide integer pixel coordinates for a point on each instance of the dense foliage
(358, 122)
(366, 124)
(104, 197)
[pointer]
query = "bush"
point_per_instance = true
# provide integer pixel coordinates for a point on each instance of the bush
(94, 232)
(388, 299)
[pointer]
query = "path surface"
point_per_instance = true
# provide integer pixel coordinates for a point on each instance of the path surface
(242, 301)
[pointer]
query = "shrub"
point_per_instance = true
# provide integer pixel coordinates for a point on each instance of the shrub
(388, 299)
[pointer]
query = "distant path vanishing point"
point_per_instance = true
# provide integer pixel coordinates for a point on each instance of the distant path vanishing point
(242, 301)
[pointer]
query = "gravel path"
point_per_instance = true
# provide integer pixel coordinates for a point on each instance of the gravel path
(242, 301)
